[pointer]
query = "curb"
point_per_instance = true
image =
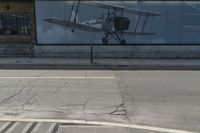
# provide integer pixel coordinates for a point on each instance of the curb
(99, 67)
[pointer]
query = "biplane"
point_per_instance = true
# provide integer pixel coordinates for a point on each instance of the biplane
(113, 24)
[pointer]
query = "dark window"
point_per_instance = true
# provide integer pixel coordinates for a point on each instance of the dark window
(15, 24)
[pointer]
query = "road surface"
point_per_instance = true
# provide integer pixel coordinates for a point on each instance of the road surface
(156, 99)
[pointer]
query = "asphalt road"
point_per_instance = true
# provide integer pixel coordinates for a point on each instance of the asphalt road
(156, 99)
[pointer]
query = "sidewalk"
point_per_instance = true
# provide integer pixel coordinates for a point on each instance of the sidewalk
(78, 63)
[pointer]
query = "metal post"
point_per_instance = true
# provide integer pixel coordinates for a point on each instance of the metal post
(91, 54)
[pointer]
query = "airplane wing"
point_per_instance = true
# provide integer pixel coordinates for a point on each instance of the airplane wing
(118, 7)
(192, 14)
(193, 28)
(73, 25)
(138, 33)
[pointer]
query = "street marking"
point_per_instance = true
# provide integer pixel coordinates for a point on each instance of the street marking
(53, 128)
(29, 127)
(6, 126)
(113, 124)
(58, 77)
(37, 127)
(12, 128)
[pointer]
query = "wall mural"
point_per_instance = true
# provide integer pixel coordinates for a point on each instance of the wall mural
(118, 22)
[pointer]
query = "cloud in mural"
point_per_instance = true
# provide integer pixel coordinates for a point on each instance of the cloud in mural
(55, 34)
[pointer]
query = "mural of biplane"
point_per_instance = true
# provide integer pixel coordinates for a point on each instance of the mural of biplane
(113, 23)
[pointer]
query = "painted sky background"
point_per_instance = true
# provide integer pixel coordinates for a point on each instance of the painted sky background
(169, 27)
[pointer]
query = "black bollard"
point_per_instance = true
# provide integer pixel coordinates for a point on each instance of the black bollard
(91, 54)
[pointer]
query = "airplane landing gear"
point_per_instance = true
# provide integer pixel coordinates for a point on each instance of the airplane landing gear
(123, 41)
(118, 38)
(105, 40)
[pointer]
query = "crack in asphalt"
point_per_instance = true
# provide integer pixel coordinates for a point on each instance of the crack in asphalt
(86, 102)
(12, 96)
(31, 86)
(122, 86)
(120, 110)
(29, 99)
(62, 87)
(83, 105)
(20, 108)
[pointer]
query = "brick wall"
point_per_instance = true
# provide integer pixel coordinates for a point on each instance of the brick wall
(18, 7)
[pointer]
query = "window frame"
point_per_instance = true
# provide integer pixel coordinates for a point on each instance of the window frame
(16, 25)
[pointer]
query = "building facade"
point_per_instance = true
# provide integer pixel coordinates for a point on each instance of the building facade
(17, 21)
(22, 22)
